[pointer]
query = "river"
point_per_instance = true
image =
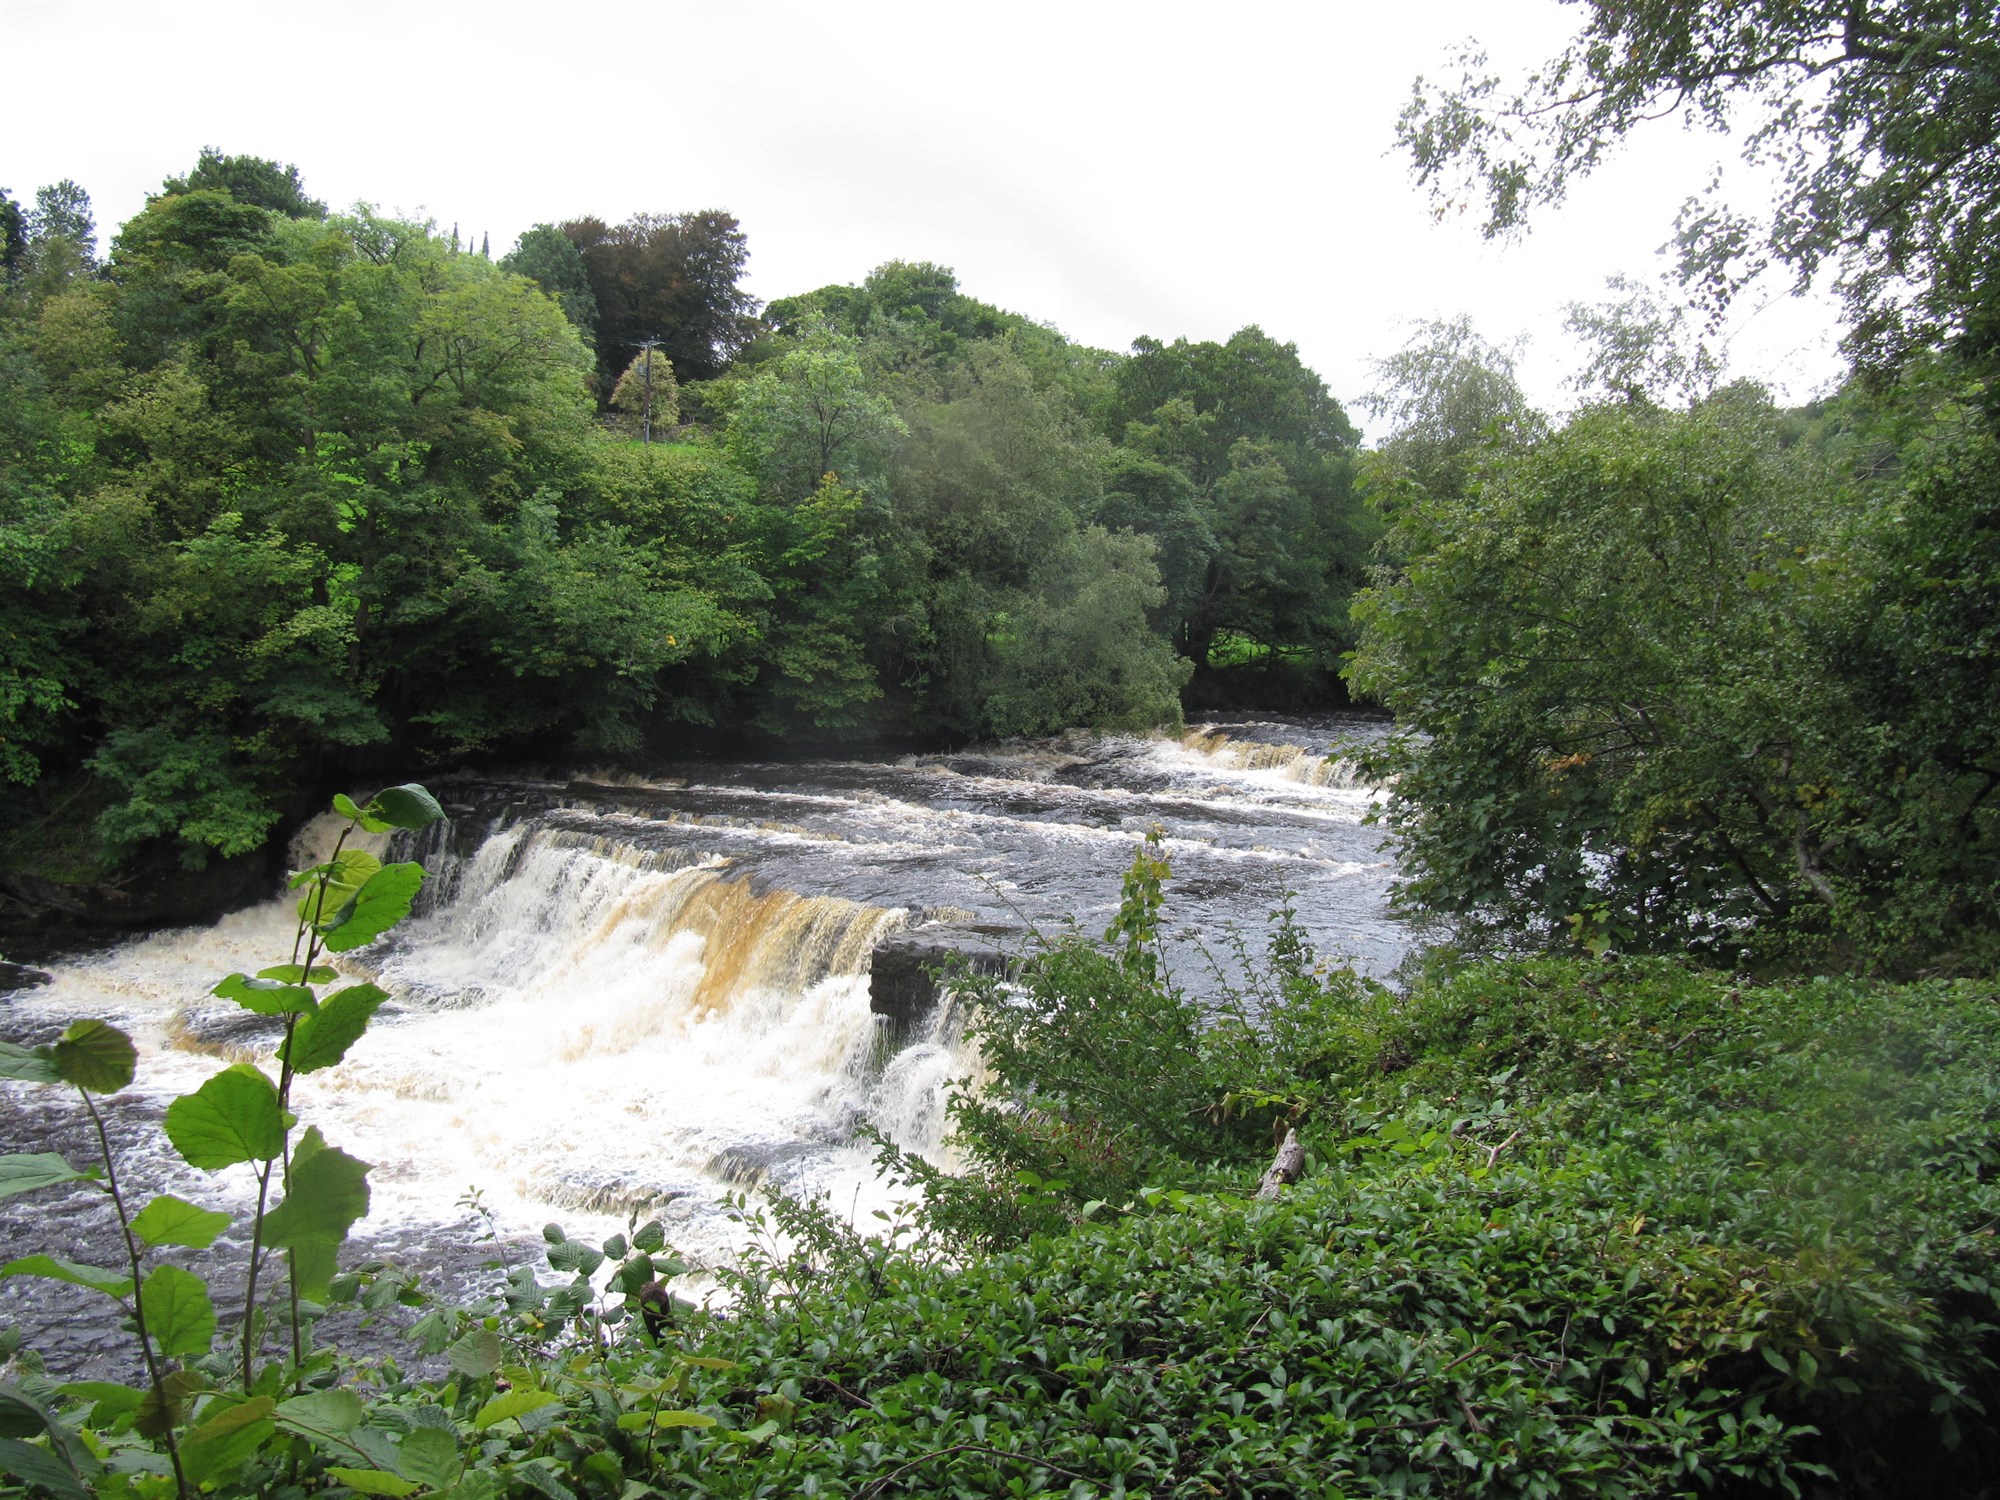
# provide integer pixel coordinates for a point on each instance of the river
(631, 995)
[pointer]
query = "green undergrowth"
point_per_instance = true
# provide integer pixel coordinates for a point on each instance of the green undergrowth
(1567, 1228)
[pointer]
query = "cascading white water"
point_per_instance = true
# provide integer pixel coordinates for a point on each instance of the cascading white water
(584, 1025)
(1292, 762)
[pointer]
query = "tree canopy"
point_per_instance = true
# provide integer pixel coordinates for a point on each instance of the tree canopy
(249, 179)
(284, 490)
(1881, 118)
(671, 277)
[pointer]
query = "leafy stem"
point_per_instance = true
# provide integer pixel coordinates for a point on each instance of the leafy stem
(146, 1351)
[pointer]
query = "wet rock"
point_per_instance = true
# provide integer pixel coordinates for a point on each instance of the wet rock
(21, 977)
(225, 1031)
(39, 917)
(903, 985)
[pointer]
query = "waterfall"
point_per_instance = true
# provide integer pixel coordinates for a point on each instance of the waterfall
(582, 1024)
(624, 994)
(1295, 762)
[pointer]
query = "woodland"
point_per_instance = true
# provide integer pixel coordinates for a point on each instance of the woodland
(1669, 1166)
(294, 494)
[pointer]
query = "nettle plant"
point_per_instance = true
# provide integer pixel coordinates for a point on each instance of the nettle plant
(209, 1410)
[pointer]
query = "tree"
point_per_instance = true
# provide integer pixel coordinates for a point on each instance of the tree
(1252, 387)
(1641, 349)
(39, 669)
(646, 398)
(1720, 676)
(13, 239)
(1157, 500)
(546, 257)
(991, 484)
(1449, 394)
(831, 591)
(910, 315)
(1074, 647)
(249, 179)
(671, 277)
(62, 212)
(171, 264)
(321, 510)
(1608, 658)
(807, 414)
(1881, 118)
(1267, 454)
(61, 242)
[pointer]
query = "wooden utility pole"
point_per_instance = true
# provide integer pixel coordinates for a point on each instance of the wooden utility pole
(649, 345)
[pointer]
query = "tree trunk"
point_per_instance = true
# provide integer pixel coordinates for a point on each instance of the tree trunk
(1285, 1167)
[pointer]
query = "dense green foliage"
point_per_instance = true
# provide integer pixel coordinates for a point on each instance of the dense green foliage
(1722, 676)
(1615, 1228)
(1681, 679)
(286, 495)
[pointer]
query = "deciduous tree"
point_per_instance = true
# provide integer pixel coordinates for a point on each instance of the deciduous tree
(671, 277)
(1881, 119)
(254, 180)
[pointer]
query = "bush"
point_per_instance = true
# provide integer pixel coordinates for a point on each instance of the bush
(1606, 1229)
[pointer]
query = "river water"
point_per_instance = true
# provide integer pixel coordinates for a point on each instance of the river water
(630, 995)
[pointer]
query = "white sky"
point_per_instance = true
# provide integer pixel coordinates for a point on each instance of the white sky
(1114, 169)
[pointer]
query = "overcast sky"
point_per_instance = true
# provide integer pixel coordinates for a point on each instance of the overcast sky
(1113, 169)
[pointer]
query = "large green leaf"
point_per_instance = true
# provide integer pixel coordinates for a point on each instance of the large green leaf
(332, 885)
(429, 1455)
(108, 1399)
(478, 1353)
(406, 806)
(219, 1446)
(95, 1055)
(21, 1415)
(512, 1404)
(266, 997)
(374, 1482)
(375, 909)
(347, 807)
(314, 1265)
(325, 1193)
(43, 1467)
(322, 1040)
(239, 1413)
(379, 905)
(478, 1484)
(574, 1255)
(111, 1283)
(179, 1315)
(639, 1421)
(327, 1418)
(232, 1118)
(633, 1274)
(299, 974)
(23, 1174)
(25, 1065)
(163, 1407)
(168, 1220)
